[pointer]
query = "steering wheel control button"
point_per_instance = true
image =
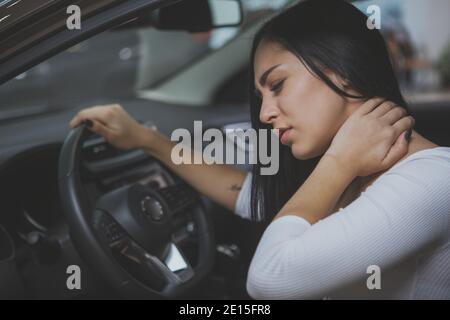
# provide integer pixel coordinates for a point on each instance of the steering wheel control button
(152, 208)
(109, 228)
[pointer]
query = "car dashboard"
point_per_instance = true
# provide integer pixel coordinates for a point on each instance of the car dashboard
(32, 213)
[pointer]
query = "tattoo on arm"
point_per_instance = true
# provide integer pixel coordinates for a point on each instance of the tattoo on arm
(235, 187)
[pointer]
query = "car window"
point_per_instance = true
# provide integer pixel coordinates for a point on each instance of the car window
(115, 63)
(417, 35)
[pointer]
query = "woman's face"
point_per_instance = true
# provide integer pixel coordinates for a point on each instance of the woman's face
(295, 99)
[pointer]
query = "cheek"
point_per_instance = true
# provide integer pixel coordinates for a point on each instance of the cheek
(319, 115)
(325, 119)
(315, 111)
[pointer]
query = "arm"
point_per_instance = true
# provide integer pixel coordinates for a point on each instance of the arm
(403, 211)
(319, 194)
(220, 183)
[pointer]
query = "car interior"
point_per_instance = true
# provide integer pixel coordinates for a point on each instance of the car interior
(166, 74)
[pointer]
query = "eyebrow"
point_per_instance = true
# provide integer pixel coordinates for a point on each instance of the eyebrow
(265, 75)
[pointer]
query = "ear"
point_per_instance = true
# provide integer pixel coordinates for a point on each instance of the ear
(340, 82)
(345, 85)
(351, 104)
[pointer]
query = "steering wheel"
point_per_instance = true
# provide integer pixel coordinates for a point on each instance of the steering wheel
(130, 235)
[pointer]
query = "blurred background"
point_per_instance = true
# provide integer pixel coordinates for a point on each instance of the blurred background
(115, 64)
(417, 34)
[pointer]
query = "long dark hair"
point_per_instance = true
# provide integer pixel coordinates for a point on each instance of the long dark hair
(323, 34)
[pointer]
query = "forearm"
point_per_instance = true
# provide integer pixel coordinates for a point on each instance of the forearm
(318, 195)
(221, 183)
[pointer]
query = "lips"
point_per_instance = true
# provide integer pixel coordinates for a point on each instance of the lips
(284, 134)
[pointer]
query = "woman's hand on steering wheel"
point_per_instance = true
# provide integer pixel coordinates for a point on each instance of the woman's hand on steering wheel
(114, 124)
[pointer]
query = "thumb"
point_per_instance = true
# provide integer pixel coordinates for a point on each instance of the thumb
(397, 151)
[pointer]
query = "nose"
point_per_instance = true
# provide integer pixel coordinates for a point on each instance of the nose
(269, 112)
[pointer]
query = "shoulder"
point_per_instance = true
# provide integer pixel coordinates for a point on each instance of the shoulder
(413, 193)
(429, 168)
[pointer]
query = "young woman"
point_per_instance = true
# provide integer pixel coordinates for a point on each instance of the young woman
(371, 218)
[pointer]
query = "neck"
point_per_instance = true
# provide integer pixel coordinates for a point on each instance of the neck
(360, 184)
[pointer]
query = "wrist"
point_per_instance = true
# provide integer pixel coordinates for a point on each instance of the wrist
(146, 138)
(342, 166)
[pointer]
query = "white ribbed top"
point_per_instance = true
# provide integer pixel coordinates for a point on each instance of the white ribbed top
(401, 223)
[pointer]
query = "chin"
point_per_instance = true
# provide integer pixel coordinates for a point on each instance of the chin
(304, 151)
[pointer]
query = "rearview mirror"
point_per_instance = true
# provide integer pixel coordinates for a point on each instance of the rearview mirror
(192, 16)
(225, 13)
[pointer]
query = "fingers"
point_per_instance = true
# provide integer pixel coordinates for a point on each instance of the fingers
(95, 126)
(387, 111)
(382, 109)
(100, 129)
(369, 106)
(404, 124)
(397, 151)
(402, 128)
(84, 115)
(394, 115)
(101, 114)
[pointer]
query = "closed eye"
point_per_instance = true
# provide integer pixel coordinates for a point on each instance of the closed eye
(277, 86)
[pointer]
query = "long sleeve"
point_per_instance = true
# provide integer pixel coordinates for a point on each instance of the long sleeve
(404, 210)
(242, 207)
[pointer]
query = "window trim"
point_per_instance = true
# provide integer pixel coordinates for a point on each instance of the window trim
(55, 39)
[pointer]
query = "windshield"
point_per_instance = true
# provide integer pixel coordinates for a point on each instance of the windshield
(115, 64)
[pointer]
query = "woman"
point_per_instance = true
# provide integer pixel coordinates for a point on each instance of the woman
(376, 197)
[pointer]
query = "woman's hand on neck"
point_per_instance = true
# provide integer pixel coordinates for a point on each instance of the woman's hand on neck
(416, 143)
